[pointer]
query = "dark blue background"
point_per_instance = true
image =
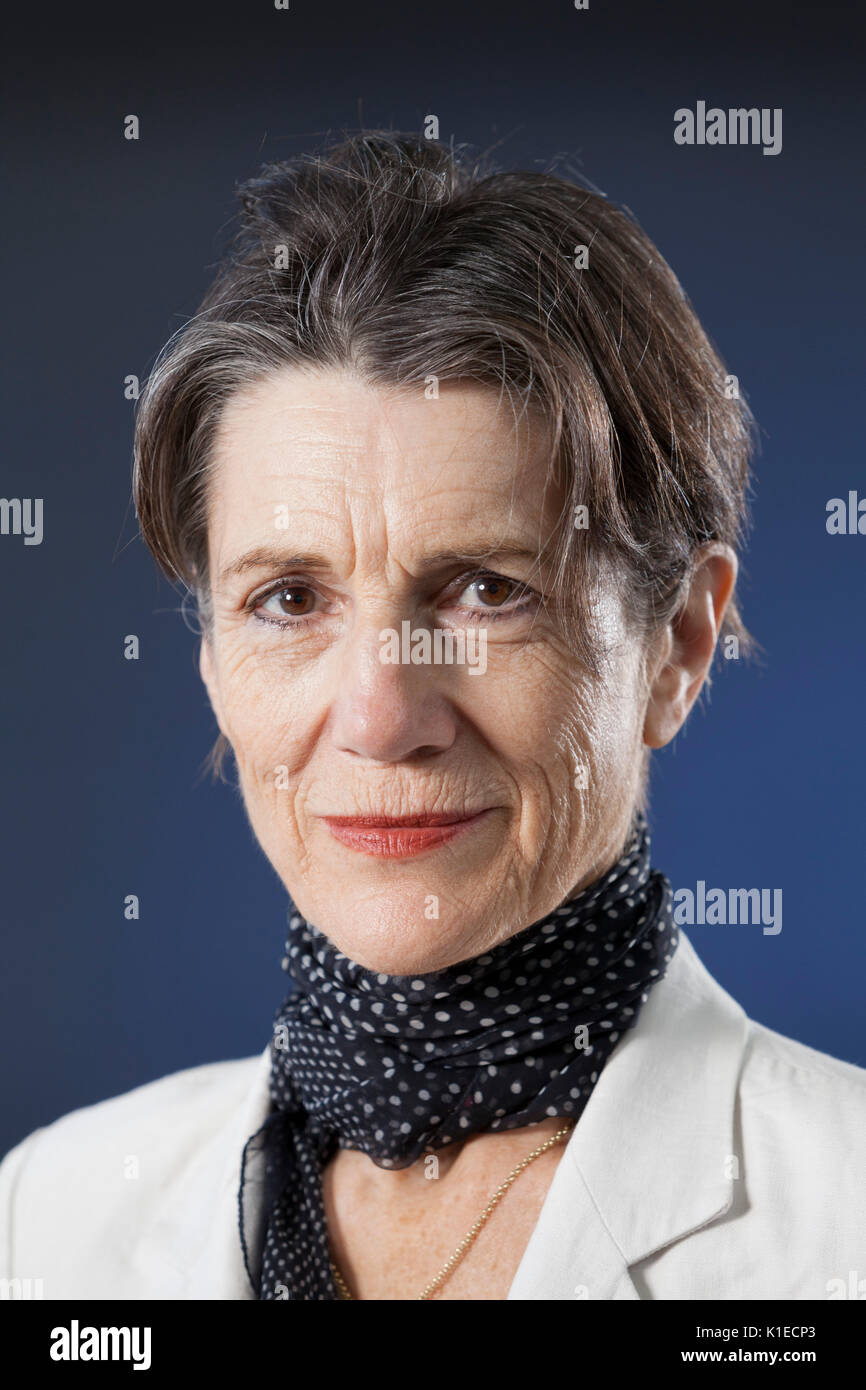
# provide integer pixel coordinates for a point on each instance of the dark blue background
(110, 245)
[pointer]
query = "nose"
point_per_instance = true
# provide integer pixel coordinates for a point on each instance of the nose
(390, 712)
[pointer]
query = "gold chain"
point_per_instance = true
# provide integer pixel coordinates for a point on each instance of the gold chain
(448, 1268)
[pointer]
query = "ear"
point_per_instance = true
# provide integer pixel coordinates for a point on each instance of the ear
(688, 642)
(208, 674)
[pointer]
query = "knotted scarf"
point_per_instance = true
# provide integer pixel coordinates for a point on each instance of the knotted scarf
(399, 1065)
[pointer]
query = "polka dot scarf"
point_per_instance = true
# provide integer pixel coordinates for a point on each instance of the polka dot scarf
(399, 1066)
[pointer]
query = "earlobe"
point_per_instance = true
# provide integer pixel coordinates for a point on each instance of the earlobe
(690, 643)
(665, 711)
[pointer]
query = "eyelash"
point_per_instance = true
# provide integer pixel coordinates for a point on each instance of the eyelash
(527, 595)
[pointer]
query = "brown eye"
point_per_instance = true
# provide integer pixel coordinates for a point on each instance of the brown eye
(294, 601)
(493, 592)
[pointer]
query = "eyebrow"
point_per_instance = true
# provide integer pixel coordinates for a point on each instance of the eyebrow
(265, 557)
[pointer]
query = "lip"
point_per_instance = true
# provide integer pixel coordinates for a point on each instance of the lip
(401, 837)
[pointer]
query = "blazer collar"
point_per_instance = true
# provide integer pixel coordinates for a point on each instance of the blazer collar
(650, 1158)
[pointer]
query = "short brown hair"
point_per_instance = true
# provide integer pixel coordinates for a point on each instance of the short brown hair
(401, 258)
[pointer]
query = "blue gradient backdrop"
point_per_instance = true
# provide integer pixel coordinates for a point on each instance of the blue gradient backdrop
(110, 245)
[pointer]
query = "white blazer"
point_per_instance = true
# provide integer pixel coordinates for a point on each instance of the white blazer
(714, 1160)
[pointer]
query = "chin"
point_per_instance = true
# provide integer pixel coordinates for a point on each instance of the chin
(391, 934)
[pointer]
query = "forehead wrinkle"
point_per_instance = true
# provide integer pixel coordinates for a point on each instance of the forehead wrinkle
(373, 431)
(471, 430)
(343, 469)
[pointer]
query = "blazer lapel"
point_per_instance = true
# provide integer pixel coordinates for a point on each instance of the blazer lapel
(572, 1253)
(650, 1159)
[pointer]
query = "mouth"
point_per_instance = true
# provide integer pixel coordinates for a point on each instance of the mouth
(400, 837)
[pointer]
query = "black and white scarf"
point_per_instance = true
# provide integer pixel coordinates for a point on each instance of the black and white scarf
(399, 1065)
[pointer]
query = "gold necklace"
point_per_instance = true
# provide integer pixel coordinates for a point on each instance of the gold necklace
(448, 1268)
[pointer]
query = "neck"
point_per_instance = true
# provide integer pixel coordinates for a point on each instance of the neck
(450, 1166)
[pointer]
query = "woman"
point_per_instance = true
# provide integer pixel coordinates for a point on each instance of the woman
(424, 401)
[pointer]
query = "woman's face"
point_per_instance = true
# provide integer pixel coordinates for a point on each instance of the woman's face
(340, 511)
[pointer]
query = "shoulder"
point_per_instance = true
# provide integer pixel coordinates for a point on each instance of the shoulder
(764, 1145)
(798, 1122)
(774, 1070)
(774, 1061)
(171, 1109)
(816, 1103)
(797, 1162)
(798, 1189)
(108, 1168)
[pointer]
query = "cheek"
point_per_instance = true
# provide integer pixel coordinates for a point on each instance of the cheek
(581, 732)
(536, 712)
(266, 715)
(614, 734)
